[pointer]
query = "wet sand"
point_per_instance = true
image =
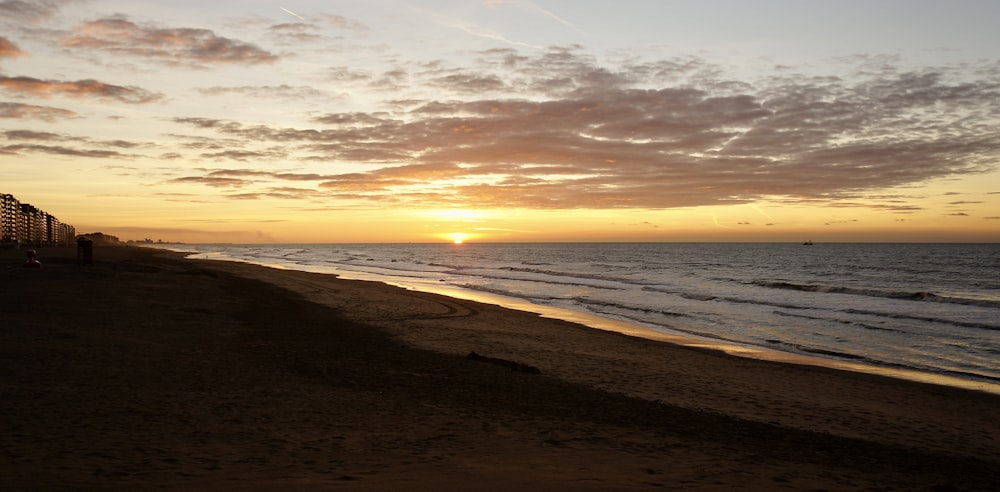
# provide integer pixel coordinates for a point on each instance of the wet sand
(148, 371)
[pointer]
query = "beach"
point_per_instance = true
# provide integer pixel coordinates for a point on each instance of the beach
(146, 371)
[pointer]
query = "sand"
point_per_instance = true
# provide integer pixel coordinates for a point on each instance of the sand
(148, 371)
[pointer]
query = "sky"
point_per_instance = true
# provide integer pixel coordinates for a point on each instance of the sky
(307, 121)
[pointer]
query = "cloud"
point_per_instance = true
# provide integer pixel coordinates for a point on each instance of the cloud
(342, 22)
(63, 151)
(283, 91)
(79, 88)
(32, 135)
(295, 32)
(65, 145)
(175, 46)
(287, 176)
(17, 12)
(44, 113)
(246, 155)
(312, 28)
(558, 130)
(211, 181)
(391, 80)
(10, 50)
(348, 74)
(349, 119)
(470, 83)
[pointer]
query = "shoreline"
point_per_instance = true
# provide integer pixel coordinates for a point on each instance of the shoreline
(678, 338)
(146, 370)
(634, 329)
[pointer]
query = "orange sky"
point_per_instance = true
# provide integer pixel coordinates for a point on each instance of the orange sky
(504, 120)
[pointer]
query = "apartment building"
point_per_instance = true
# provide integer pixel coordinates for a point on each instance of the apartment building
(10, 217)
(23, 223)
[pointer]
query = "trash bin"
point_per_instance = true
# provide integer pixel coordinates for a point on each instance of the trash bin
(84, 251)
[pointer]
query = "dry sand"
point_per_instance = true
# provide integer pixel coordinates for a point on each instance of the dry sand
(148, 371)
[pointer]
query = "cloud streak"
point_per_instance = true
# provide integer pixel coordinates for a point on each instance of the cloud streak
(175, 46)
(37, 142)
(62, 151)
(31, 111)
(80, 88)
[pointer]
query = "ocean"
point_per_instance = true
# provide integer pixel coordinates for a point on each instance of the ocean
(922, 311)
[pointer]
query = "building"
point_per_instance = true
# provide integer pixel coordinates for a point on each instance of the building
(23, 223)
(35, 225)
(10, 218)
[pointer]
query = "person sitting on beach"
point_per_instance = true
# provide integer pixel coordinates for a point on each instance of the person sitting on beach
(32, 261)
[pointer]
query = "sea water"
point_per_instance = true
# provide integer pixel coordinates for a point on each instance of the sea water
(931, 309)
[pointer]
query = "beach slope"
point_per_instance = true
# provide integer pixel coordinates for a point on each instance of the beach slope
(149, 371)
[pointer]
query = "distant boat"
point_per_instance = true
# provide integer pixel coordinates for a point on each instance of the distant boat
(807, 243)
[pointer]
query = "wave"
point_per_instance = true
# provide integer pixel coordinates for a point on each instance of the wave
(560, 274)
(820, 351)
(930, 319)
(592, 304)
(548, 281)
(694, 296)
(907, 296)
(795, 347)
(841, 321)
(537, 298)
(877, 314)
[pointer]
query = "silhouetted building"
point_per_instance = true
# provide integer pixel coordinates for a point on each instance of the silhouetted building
(10, 216)
(23, 223)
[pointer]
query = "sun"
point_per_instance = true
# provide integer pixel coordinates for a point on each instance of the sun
(458, 237)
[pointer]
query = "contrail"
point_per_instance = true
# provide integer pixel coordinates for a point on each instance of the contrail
(531, 6)
(715, 218)
(485, 33)
(552, 15)
(758, 210)
(467, 27)
(293, 14)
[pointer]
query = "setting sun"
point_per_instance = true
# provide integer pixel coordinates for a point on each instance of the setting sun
(458, 237)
